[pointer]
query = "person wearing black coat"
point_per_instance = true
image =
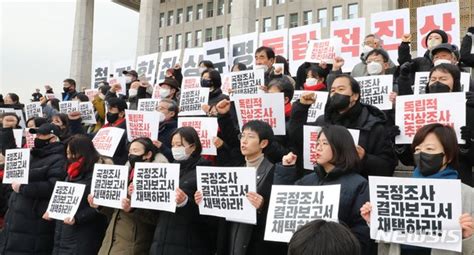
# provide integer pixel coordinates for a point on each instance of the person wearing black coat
(185, 231)
(211, 79)
(84, 233)
(169, 109)
(337, 162)
(344, 108)
(25, 231)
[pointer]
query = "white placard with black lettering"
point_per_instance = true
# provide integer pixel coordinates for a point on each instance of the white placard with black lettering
(17, 166)
(65, 200)
(109, 185)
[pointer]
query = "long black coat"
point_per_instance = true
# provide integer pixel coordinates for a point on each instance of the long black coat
(25, 231)
(185, 231)
(85, 236)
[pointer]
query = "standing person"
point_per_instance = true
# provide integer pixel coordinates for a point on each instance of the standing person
(69, 88)
(25, 231)
(88, 225)
(36, 96)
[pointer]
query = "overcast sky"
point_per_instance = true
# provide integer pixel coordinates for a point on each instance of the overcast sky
(36, 41)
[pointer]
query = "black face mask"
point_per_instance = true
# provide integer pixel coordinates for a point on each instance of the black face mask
(339, 102)
(428, 164)
(40, 143)
(66, 89)
(206, 83)
(438, 87)
(132, 159)
(112, 117)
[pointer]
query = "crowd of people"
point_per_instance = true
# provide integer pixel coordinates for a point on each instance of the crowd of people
(63, 151)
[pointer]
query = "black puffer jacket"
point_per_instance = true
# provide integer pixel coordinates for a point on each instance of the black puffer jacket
(185, 231)
(379, 157)
(354, 193)
(85, 236)
(25, 231)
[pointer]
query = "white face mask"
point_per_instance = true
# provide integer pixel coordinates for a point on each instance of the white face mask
(128, 79)
(202, 69)
(264, 67)
(441, 61)
(164, 93)
(366, 49)
(161, 116)
(433, 43)
(374, 68)
(132, 92)
(311, 81)
(179, 153)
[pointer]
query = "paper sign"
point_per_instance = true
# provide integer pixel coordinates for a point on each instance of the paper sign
(146, 66)
(148, 104)
(416, 211)
(100, 73)
(107, 139)
(224, 192)
(247, 82)
(267, 107)
(142, 124)
(242, 49)
(65, 200)
(33, 109)
(298, 38)
(68, 106)
(217, 52)
(109, 185)
(192, 100)
(18, 134)
(191, 59)
(317, 108)
(91, 93)
(351, 32)
(375, 90)
(206, 129)
(191, 82)
(415, 111)
(323, 51)
(310, 141)
(168, 60)
(291, 207)
(17, 166)
(87, 113)
(155, 186)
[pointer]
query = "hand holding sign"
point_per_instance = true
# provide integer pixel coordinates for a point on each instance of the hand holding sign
(365, 211)
(467, 225)
(180, 196)
(16, 186)
(197, 197)
(360, 151)
(69, 221)
(255, 199)
(289, 159)
(126, 206)
(90, 200)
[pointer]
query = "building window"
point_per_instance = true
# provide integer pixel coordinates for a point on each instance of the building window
(208, 34)
(170, 18)
(280, 1)
(162, 19)
(220, 7)
(267, 24)
(337, 13)
(267, 2)
(323, 17)
(307, 17)
(189, 14)
(199, 11)
(177, 42)
(179, 16)
(160, 44)
(293, 20)
(198, 38)
(189, 40)
(228, 30)
(162, 1)
(210, 9)
(169, 41)
(256, 25)
(280, 22)
(353, 11)
(219, 32)
(230, 7)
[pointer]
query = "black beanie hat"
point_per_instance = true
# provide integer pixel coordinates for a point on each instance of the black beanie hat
(443, 35)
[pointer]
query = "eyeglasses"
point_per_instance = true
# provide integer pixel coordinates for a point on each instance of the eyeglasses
(246, 137)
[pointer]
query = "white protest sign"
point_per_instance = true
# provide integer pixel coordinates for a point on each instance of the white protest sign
(148, 104)
(375, 90)
(68, 106)
(146, 66)
(191, 82)
(109, 185)
(192, 100)
(416, 211)
(168, 60)
(91, 93)
(390, 26)
(17, 166)
(324, 50)
(317, 108)
(142, 124)
(291, 207)
(120, 66)
(351, 32)
(298, 38)
(277, 40)
(33, 109)
(18, 135)
(439, 16)
(87, 113)
(242, 49)
(206, 129)
(155, 186)
(107, 139)
(310, 140)
(65, 200)
(465, 81)
(156, 92)
(191, 59)
(415, 111)
(30, 138)
(226, 80)
(217, 52)
(100, 73)
(49, 96)
(247, 82)
(224, 192)
(268, 107)
(420, 82)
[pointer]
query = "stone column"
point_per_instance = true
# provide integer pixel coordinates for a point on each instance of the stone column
(148, 26)
(243, 17)
(81, 59)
